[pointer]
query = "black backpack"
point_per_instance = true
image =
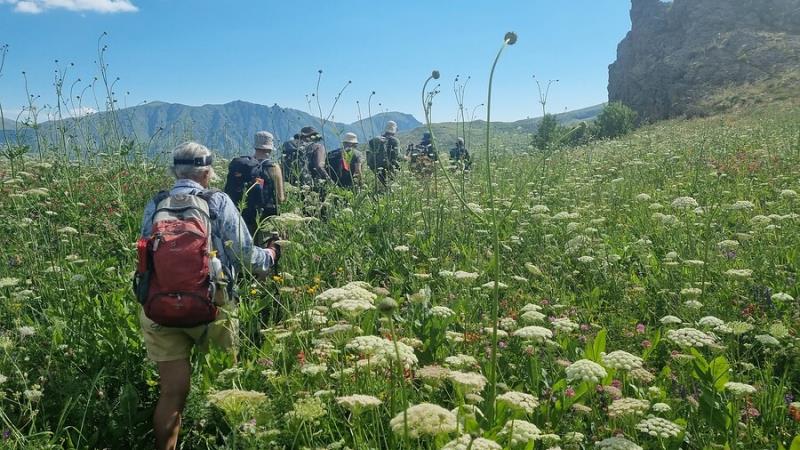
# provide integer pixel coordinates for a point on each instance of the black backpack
(335, 165)
(378, 153)
(295, 162)
(251, 176)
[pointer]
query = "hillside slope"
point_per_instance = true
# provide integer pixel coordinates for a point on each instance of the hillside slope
(678, 54)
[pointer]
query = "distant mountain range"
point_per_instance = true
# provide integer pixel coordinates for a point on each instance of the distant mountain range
(229, 128)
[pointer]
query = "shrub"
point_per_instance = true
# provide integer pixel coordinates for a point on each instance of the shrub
(616, 120)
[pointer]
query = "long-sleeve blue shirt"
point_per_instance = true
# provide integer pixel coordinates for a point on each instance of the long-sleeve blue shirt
(229, 234)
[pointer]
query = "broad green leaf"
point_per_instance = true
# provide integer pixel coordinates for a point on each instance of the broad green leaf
(720, 371)
(795, 443)
(596, 346)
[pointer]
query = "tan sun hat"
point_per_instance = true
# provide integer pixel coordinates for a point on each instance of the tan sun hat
(391, 127)
(350, 138)
(264, 141)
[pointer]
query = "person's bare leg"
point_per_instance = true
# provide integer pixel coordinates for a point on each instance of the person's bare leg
(174, 385)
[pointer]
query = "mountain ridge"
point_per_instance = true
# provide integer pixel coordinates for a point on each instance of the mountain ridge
(228, 128)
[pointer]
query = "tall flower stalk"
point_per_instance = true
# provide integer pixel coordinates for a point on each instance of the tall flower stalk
(509, 39)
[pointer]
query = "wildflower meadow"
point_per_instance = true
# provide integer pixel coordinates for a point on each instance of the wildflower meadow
(634, 293)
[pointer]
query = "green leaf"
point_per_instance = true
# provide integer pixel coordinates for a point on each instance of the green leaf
(795, 443)
(596, 346)
(720, 372)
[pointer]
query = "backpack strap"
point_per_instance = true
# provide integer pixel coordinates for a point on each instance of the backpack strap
(206, 195)
(158, 198)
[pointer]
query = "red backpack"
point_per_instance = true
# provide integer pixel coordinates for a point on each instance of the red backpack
(172, 280)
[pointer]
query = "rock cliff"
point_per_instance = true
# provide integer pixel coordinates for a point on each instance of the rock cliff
(679, 54)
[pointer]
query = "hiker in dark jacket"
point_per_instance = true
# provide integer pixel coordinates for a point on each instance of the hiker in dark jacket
(459, 153)
(290, 160)
(424, 148)
(257, 182)
(383, 156)
(344, 164)
(316, 155)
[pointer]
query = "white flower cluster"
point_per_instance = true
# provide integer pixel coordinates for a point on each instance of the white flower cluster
(685, 203)
(782, 297)
(314, 369)
(460, 361)
(710, 321)
(508, 324)
(469, 382)
(617, 443)
(690, 337)
(467, 442)
(585, 370)
(670, 320)
(519, 401)
(424, 419)
(534, 333)
(574, 437)
(565, 325)
(380, 352)
(662, 408)
(352, 307)
(766, 339)
(358, 402)
(742, 205)
(313, 316)
(352, 292)
(739, 389)
(234, 401)
(531, 317)
(442, 312)
(659, 427)
(628, 407)
(727, 245)
(739, 274)
(519, 432)
(620, 359)
(461, 275)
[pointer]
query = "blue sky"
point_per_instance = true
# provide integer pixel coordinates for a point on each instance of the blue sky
(202, 51)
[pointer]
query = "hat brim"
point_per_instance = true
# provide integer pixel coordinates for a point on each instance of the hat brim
(265, 147)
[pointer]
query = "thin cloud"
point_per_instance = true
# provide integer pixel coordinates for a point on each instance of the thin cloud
(98, 6)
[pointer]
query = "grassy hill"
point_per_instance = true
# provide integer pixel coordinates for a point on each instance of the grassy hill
(447, 132)
(676, 244)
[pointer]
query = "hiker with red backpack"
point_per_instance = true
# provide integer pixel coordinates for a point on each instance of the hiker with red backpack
(344, 164)
(193, 243)
(255, 183)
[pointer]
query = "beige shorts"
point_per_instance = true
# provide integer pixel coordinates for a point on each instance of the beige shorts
(170, 344)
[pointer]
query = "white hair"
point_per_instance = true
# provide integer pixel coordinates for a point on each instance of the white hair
(190, 150)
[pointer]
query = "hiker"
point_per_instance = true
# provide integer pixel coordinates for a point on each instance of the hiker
(426, 147)
(459, 153)
(344, 164)
(290, 160)
(188, 296)
(315, 154)
(256, 182)
(383, 154)
(422, 157)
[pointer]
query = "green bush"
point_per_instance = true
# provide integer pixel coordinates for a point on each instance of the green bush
(549, 133)
(616, 120)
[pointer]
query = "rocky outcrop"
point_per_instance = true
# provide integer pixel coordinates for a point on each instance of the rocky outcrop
(679, 53)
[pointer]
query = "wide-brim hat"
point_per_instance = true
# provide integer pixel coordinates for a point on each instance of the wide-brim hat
(350, 138)
(391, 127)
(264, 140)
(308, 131)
